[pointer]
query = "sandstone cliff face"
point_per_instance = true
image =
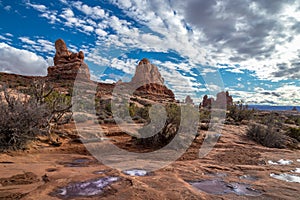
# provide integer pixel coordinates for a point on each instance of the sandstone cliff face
(68, 65)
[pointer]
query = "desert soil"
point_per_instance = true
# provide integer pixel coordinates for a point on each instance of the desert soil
(43, 171)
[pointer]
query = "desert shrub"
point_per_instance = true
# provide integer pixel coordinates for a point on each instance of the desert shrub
(143, 112)
(266, 136)
(22, 119)
(108, 107)
(58, 105)
(294, 133)
(205, 115)
(273, 119)
(168, 131)
(20, 122)
(80, 118)
(239, 112)
(132, 109)
(293, 120)
(176, 117)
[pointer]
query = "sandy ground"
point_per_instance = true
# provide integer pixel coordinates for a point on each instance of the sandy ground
(44, 171)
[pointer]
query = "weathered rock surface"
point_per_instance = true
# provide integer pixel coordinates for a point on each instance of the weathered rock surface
(148, 83)
(207, 102)
(146, 73)
(68, 65)
(223, 100)
(155, 92)
(188, 100)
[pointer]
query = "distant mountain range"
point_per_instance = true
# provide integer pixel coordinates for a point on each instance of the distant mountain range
(273, 108)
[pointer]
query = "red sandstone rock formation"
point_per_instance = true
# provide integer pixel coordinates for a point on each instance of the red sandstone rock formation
(188, 100)
(146, 73)
(207, 102)
(68, 65)
(148, 83)
(223, 100)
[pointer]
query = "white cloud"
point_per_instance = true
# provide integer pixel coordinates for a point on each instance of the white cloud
(9, 35)
(185, 28)
(270, 51)
(23, 62)
(127, 66)
(46, 13)
(284, 95)
(7, 8)
(39, 7)
(27, 40)
(64, 1)
(94, 12)
(100, 32)
(5, 38)
(235, 70)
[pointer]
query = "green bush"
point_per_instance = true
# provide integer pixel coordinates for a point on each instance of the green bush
(294, 133)
(239, 112)
(143, 112)
(186, 118)
(266, 136)
(132, 109)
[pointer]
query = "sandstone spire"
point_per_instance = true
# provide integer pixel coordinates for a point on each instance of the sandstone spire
(146, 73)
(68, 65)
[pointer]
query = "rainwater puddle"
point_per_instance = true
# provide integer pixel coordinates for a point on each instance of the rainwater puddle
(79, 162)
(297, 170)
(220, 187)
(249, 178)
(99, 172)
(135, 172)
(280, 162)
(286, 177)
(85, 189)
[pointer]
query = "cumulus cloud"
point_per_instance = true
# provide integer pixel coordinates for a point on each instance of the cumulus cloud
(283, 95)
(255, 34)
(45, 12)
(261, 36)
(23, 62)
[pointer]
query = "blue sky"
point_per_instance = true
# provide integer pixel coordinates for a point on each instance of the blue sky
(250, 48)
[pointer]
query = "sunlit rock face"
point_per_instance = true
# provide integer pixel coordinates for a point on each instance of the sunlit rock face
(146, 73)
(68, 65)
(148, 83)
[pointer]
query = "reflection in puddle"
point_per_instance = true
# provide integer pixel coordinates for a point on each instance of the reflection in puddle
(297, 170)
(87, 188)
(212, 186)
(286, 177)
(248, 178)
(79, 162)
(219, 187)
(99, 172)
(135, 172)
(280, 162)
